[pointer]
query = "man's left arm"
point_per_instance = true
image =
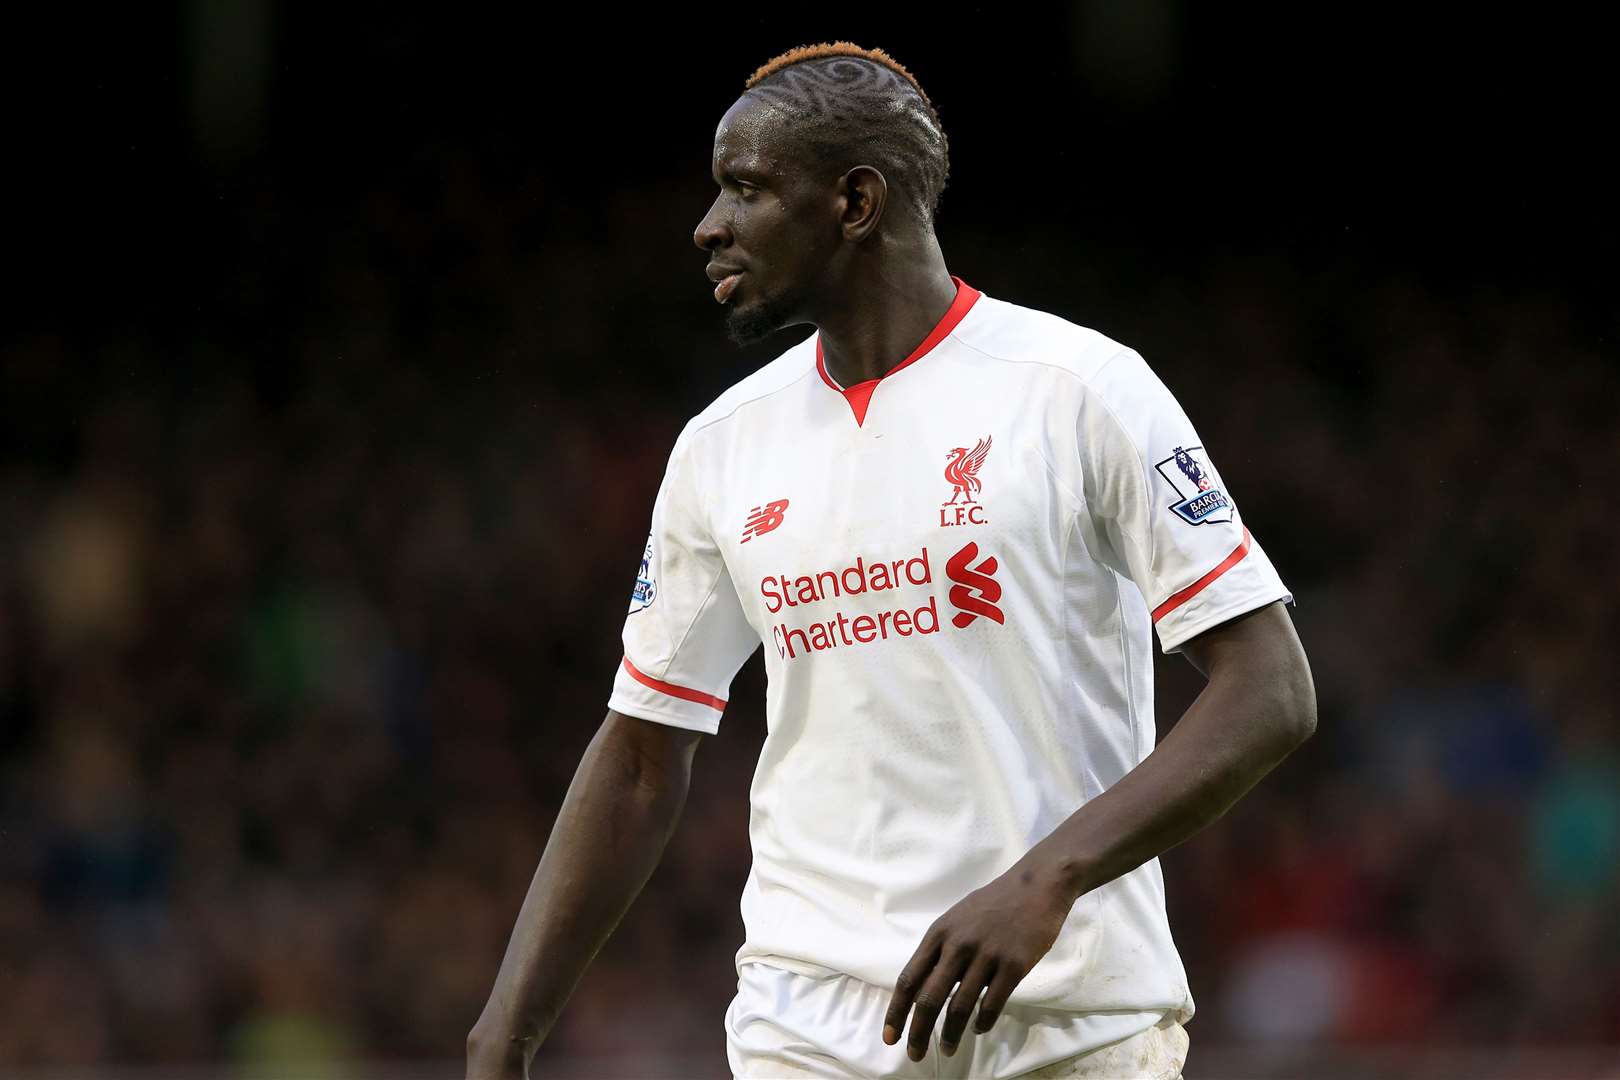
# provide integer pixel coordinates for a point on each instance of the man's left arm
(1259, 704)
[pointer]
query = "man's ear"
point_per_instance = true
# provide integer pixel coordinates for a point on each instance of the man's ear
(862, 195)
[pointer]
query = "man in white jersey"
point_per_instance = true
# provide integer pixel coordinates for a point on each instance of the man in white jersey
(954, 524)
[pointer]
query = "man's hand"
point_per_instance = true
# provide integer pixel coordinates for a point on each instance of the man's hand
(991, 938)
(1258, 706)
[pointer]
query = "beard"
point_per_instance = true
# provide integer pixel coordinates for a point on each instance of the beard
(753, 322)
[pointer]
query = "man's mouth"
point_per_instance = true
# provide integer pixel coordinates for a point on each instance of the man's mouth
(727, 286)
(725, 278)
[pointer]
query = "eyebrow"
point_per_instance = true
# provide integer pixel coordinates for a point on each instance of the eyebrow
(735, 170)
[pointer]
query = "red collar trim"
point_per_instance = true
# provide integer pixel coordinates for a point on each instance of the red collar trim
(859, 396)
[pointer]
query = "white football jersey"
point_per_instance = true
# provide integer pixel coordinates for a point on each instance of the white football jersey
(955, 572)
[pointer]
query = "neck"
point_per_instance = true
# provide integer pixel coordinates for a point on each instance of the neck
(890, 304)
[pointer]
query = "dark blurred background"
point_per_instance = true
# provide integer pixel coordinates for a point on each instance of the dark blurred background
(345, 346)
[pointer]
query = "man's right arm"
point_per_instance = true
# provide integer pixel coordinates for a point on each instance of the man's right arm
(619, 814)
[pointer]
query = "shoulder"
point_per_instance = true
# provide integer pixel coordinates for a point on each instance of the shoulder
(1016, 334)
(785, 371)
(1106, 381)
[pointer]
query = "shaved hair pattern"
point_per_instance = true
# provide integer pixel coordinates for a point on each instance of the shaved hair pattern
(851, 106)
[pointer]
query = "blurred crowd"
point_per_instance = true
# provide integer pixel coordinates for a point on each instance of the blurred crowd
(300, 644)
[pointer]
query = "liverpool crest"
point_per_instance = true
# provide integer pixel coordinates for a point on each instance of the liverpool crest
(962, 473)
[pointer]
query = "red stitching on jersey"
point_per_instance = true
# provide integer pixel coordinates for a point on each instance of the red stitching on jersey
(1202, 583)
(859, 396)
(717, 704)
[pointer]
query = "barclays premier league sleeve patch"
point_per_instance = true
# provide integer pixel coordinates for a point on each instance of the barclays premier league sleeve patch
(646, 590)
(1191, 477)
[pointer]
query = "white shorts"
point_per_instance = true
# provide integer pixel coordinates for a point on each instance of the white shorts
(785, 1024)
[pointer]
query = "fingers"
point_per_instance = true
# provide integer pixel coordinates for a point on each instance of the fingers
(936, 989)
(925, 986)
(995, 999)
(906, 986)
(961, 1007)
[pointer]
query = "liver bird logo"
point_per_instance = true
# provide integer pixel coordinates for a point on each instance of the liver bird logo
(962, 471)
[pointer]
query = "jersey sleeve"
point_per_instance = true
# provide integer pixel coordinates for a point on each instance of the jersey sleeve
(686, 634)
(1158, 504)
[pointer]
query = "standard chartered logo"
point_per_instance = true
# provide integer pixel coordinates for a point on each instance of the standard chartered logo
(972, 580)
(974, 592)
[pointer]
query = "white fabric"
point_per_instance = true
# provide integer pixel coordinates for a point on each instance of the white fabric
(924, 731)
(783, 1024)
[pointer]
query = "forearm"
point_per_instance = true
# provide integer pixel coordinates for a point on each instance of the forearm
(607, 840)
(1247, 719)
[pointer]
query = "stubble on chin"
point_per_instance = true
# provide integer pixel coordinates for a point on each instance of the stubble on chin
(753, 323)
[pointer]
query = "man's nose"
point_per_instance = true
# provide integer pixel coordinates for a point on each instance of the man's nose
(711, 233)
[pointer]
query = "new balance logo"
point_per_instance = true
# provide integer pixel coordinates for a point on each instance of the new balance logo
(969, 580)
(762, 519)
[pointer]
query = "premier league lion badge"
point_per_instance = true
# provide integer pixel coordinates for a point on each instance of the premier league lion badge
(646, 589)
(1194, 481)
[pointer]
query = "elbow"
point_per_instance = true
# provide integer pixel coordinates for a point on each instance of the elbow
(1296, 707)
(1283, 699)
(1258, 668)
(1302, 722)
